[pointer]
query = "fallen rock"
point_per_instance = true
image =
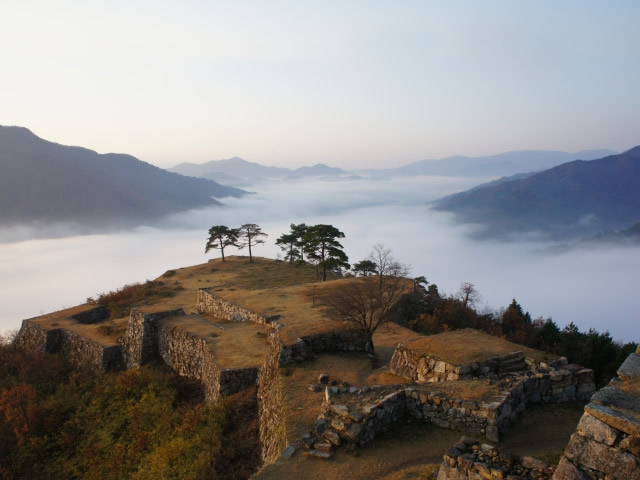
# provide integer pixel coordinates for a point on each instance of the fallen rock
(288, 452)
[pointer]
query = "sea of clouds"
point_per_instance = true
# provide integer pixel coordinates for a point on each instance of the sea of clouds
(594, 288)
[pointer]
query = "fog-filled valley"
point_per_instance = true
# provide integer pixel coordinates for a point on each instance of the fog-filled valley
(592, 287)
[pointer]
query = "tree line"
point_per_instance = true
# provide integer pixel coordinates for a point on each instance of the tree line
(430, 312)
(317, 244)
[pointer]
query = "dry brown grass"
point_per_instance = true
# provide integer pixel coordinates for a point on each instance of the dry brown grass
(409, 445)
(235, 345)
(104, 333)
(303, 406)
(462, 347)
(543, 431)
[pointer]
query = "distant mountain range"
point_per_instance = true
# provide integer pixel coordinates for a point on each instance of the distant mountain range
(572, 200)
(240, 172)
(45, 182)
(237, 171)
(502, 164)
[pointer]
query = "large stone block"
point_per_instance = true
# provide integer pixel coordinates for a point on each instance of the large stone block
(568, 471)
(601, 458)
(597, 430)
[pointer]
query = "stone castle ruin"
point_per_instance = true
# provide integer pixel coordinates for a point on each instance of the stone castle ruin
(228, 347)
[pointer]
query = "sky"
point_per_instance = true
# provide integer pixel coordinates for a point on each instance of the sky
(351, 84)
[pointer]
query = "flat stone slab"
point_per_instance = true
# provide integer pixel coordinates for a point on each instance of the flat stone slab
(619, 395)
(317, 454)
(630, 368)
(619, 420)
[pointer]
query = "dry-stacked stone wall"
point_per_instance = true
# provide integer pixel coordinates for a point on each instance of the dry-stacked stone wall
(346, 340)
(35, 338)
(358, 417)
(469, 460)
(271, 413)
(571, 382)
(422, 367)
(342, 340)
(606, 444)
(95, 315)
(79, 350)
(210, 304)
(232, 380)
(140, 342)
(189, 356)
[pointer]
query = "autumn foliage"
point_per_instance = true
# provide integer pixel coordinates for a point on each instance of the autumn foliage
(60, 422)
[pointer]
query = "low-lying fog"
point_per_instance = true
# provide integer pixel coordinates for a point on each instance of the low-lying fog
(592, 288)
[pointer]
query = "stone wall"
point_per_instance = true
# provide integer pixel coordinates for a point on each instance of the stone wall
(357, 418)
(422, 367)
(343, 340)
(140, 342)
(232, 380)
(346, 340)
(95, 315)
(80, 351)
(606, 444)
(189, 356)
(468, 460)
(210, 304)
(357, 421)
(571, 382)
(271, 413)
(34, 337)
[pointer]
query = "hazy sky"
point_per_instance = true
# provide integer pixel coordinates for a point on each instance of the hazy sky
(352, 84)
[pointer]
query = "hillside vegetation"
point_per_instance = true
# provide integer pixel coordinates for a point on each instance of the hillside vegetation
(60, 423)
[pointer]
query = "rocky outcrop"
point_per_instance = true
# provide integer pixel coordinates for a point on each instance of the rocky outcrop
(469, 460)
(606, 444)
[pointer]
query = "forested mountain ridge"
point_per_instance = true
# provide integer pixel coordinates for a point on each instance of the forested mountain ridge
(568, 201)
(46, 182)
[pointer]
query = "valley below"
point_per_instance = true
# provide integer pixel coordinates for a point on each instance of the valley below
(592, 287)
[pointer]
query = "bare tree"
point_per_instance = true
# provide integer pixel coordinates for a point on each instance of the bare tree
(369, 302)
(386, 264)
(468, 294)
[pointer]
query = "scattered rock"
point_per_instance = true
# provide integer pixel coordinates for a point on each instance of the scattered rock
(289, 451)
(317, 454)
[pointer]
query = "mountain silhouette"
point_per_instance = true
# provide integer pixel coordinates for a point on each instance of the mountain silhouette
(46, 182)
(571, 200)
